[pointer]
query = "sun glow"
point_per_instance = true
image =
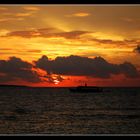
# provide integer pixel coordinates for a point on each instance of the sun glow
(56, 82)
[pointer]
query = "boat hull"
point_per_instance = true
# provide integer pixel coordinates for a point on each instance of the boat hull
(85, 90)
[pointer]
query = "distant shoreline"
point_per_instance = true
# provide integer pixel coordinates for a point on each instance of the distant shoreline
(23, 86)
(13, 86)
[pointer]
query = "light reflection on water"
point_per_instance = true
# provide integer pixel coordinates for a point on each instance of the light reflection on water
(58, 111)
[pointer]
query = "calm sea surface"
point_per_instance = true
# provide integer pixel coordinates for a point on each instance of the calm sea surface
(58, 111)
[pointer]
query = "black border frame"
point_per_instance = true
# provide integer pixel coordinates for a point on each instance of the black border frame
(69, 1)
(65, 2)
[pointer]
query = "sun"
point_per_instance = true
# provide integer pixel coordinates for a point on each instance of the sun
(56, 82)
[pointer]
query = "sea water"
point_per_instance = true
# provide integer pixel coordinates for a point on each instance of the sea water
(59, 111)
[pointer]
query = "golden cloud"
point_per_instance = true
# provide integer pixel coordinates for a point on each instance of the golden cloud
(10, 19)
(3, 8)
(31, 8)
(24, 14)
(81, 14)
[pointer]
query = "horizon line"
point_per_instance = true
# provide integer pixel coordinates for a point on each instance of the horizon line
(6, 85)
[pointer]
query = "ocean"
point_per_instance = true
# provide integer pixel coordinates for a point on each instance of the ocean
(25, 110)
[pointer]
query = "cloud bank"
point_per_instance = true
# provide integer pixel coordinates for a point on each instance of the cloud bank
(53, 71)
(137, 49)
(82, 66)
(47, 33)
(17, 69)
(81, 35)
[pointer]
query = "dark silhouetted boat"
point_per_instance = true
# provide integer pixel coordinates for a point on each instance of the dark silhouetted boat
(86, 89)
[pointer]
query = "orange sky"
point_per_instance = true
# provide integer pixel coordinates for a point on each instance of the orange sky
(110, 32)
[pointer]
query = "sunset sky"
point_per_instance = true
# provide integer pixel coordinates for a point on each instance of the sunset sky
(70, 45)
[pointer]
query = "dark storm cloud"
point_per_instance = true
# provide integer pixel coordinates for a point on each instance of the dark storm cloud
(82, 66)
(15, 68)
(137, 49)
